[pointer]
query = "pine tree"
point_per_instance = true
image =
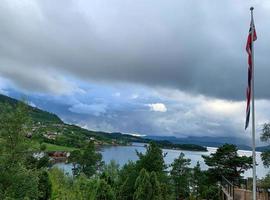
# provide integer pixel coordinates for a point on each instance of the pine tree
(226, 162)
(44, 186)
(127, 178)
(143, 188)
(180, 174)
(156, 190)
(16, 180)
(104, 191)
(152, 160)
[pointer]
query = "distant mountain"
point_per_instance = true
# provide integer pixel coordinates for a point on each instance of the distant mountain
(263, 148)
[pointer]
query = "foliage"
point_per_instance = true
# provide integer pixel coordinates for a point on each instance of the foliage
(16, 181)
(43, 147)
(19, 183)
(180, 174)
(86, 161)
(152, 160)
(266, 158)
(197, 180)
(13, 129)
(44, 186)
(21, 176)
(81, 187)
(156, 188)
(34, 163)
(110, 173)
(61, 184)
(265, 182)
(226, 162)
(127, 178)
(143, 187)
(265, 137)
(104, 191)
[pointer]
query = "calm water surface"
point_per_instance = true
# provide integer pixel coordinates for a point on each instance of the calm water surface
(122, 154)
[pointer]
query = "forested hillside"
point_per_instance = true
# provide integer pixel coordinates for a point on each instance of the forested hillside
(36, 114)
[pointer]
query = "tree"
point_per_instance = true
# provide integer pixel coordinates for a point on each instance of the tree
(85, 188)
(197, 180)
(74, 158)
(266, 158)
(143, 187)
(265, 182)
(104, 191)
(110, 173)
(44, 186)
(201, 187)
(61, 185)
(88, 160)
(226, 162)
(265, 137)
(180, 174)
(156, 190)
(16, 180)
(127, 178)
(152, 160)
(43, 147)
(19, 183)
(14, 125)
(80, 187)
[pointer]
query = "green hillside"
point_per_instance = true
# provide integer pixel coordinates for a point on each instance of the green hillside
(36, 114)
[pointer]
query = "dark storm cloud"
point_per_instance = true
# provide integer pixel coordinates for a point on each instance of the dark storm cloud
(193, 46)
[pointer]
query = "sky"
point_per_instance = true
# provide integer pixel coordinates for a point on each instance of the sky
(155, 67)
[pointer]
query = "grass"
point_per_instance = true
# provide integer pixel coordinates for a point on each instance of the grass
(52, 147)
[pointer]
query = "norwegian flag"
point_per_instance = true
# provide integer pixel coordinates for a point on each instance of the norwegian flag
(250, 67)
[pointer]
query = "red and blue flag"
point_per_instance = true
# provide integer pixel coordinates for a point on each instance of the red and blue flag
(249, 50)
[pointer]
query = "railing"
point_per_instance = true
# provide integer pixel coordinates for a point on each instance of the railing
(227, 188)
(241, 189)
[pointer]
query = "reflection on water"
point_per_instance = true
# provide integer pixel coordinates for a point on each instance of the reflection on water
(122, 154)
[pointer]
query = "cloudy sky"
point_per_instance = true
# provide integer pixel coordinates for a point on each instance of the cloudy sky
(155, 67)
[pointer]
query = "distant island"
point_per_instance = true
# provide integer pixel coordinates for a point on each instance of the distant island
(164, 144)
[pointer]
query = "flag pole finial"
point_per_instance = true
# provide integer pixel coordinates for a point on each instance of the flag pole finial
(251, 8)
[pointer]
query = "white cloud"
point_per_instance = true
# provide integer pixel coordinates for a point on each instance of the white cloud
(223, 107)
(157, 107)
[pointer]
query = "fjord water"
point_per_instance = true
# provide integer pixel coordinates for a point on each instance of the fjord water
(122, 154)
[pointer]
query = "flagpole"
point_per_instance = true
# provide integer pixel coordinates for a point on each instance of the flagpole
(253, 110)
